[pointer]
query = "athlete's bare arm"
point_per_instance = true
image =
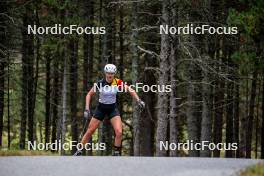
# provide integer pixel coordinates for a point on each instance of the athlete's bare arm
(88, 98)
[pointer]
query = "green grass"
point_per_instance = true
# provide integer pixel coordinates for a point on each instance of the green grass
(25, 153)
(256, 170)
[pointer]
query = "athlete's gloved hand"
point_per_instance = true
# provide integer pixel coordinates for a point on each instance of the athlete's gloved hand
(141, 104)
(86, 114)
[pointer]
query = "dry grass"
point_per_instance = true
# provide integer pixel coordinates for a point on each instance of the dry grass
(24, 153)
(256, 170)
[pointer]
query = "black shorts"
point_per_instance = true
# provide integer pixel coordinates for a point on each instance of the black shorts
(106, 110)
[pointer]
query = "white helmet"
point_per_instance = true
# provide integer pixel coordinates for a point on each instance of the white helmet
(110, 68)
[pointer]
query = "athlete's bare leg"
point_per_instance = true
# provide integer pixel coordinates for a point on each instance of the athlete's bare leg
(117, 125)
(93, 125)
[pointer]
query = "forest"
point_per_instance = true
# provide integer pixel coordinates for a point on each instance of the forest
(217, 80)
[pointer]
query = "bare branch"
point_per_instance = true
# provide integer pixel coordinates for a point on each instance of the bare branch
(148, 51)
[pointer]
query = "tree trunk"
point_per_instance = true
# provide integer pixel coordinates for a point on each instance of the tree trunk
(173, 82)
(194, 112)
(8, 103)
(262, 125)
(194, 107)
(88, 47)
(47, 98)
(219, 99)
(34, 83)
(121, 56)
(162, 124)
(218, 121)
(148, 117)
(73, 48)
(100, 43)
(194, 96)
(236, 116)
(64, 102)
(106, 133)
(61, 131)
(88, 52)
(206, 125)
(208, 51)
(2, 92)
(27, 78)
(257, 122)
(107, 55)
(243, 122)
(229, 116)
(134, 77)
(40, 132)
(31, 92)
(55, 97)
(249, 130)
(147, 122)
(3, 56)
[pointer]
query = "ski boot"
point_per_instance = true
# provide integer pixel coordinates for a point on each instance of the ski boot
(117, 151)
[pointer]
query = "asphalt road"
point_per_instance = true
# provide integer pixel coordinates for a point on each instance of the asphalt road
(120, 166)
